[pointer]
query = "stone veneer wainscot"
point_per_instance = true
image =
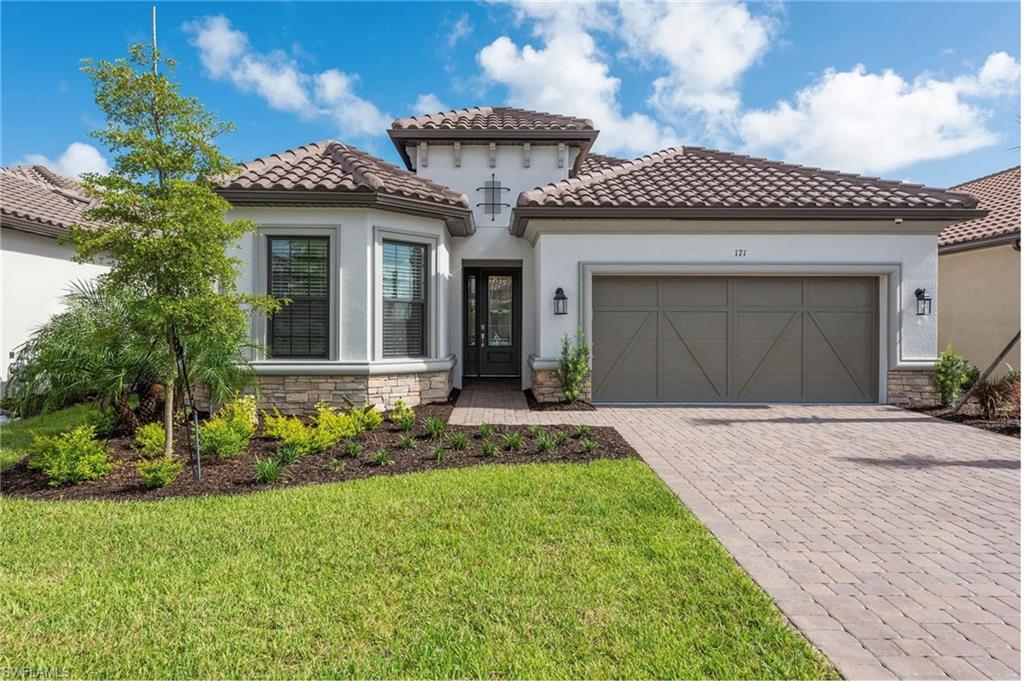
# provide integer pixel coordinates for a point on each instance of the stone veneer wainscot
(547, 388)
(299, 394)
(912, 388)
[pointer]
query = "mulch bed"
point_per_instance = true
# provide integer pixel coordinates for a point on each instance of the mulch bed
(969, 415)
(534, 405)
(237, 475)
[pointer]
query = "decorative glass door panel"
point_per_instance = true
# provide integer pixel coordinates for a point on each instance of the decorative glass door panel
(491, 322)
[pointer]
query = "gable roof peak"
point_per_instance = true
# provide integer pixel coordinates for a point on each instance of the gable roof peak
(496, 118)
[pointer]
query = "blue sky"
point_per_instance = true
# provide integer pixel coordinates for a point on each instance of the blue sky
(920, 91)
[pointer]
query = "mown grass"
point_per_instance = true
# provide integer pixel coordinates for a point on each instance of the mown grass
(15, 437)
(537, 571)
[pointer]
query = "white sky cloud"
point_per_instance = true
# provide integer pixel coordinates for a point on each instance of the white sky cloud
(461, 28)
(226, 54)
(78, 158)
(878, 122)
(567, 74)
(429, 103)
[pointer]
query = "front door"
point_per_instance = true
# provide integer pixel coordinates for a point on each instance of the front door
(492, 319)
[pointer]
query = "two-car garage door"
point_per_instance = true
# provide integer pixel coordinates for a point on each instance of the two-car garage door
(735, 339)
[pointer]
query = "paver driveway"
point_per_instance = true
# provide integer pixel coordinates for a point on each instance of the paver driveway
(891, 539)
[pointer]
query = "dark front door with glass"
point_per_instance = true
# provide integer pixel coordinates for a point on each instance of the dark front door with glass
(492, 322)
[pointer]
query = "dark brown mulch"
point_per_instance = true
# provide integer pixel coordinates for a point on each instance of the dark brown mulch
(237, 475)
(534, 405)
(970, 415)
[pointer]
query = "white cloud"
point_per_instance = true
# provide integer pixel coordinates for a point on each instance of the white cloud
(461, 28)
(226, 54)
(568, 75)
(429, 103)
(707, 47)
(867, 122)
(77, 159)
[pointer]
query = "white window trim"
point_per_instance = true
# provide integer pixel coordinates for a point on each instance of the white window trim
(431, 241)
(259, 321)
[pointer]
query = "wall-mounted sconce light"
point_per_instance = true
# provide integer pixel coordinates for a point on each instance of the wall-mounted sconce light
(561, 302)
(924, 302)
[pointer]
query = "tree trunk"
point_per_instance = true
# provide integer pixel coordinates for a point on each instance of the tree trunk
(127, 422)
(149, 396)
(169, 417)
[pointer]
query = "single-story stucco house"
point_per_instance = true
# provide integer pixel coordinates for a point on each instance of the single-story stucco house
(696, 275)
(37, 206)
(979, 274)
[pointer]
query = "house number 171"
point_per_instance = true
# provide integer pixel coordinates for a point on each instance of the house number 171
(740, 253)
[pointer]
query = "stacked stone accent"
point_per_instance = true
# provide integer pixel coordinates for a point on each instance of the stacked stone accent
(912, 388)
(547, 388)
(298, 395)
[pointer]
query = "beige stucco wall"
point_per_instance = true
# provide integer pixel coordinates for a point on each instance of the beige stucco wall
(979, 303)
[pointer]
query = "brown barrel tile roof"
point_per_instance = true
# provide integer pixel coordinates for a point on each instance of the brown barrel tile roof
(492, 118)
(595, 162)
(39, 200)
(330, 166)
(999, 194)
(693, 177)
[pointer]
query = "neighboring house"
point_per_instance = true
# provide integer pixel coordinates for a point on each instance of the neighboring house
(697, 275)
(979, 274)
(37, 206)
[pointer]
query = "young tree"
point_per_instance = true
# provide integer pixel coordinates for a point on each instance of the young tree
(158, 220)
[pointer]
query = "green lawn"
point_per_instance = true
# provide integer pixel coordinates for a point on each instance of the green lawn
(15, 437)
(546, 570)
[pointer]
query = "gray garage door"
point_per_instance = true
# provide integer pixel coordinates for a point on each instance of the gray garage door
(735, 339)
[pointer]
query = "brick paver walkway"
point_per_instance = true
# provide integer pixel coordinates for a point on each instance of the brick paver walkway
(890, 539)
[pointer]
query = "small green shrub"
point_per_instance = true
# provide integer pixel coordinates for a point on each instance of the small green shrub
(573, 366)
(512, 441)
(439, 453)
(381, 458)
(950, 372)
(435, 427)
(218, 437)
(589, 446)
(351, 449)
(241, 414)
(367, 417)
(458, 441)
(267, 470)
(150, 439)
(161, 471)
(278, 427)
(72, 457)
(402, 413)
(582, 430)
(545, 443)
(288, 454)
(334, 426)
(561, 437)
(971, 376)
(994, 397)
(485, 431)
(535, 431)
(404, 421)
(488, 449)
(337, 465)
(407, 442)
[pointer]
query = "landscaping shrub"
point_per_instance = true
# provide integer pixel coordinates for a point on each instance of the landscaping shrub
(535, 431)
(285, 428)
(582, 430)
(240, 413)
(950, 372)
(589, 446)
(439, 453)
(401, 411)
(458, 442)
(288, 454)
(573, 366)
(381, 458)
(544, 443)
(561, 438)
(997, 396)
(334, 426)
(72, 457)
(485, 431)
(221, 438)
(436, 426)
(407, 442)
(488, 449)
(267, 470)
(161, 471)
(351, 448)
(512, 441)
(150, 439)
(404, 421)
(366, 418)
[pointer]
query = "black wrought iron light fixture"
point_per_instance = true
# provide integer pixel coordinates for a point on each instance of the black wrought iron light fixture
(924, 302)
(561, 302)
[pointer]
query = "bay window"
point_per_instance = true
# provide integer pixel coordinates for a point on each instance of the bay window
(404, 283)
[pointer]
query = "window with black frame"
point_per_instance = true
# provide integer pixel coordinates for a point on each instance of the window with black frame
(404, 278)
(299, 269)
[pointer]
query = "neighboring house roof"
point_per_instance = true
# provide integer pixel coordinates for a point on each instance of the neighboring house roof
(332, 173)
(492, 118)
(595, 162)
(493, 124)
(999, 194)
(36, 199)
(702, 183)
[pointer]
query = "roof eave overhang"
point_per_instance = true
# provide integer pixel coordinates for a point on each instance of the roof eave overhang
(458, 220)
(23, 224)
(986, 242)
(521, 215)
(400, 137)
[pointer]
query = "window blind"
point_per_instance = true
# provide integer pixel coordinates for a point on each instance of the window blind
(300, 271)
(405, 299)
